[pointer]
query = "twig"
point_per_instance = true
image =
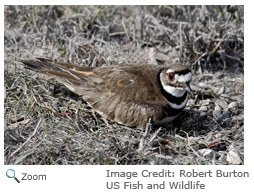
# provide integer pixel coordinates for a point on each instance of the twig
(125, 30)
(219, 43)
(154, 135)
(181, 41)
(143, 143)
(117, 146)
(28, 138)
(234, 58)
(188, 140)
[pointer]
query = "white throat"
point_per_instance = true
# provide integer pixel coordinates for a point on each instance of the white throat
(175, 91)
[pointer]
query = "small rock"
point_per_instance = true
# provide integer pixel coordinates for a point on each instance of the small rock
(234, 119)
(191, 102)
(227, 90)
(225, 113)
(233, 156)
(237, 119)
(217, 108)
(233, 106)
(203, 114)
(222, 103)
(208, 153)
(221, 90)
(217, 112)
(204, 102)
(204, 85)
(195, 88)
(237, 98)
(209, 112)
(209, 137)
(202, 109)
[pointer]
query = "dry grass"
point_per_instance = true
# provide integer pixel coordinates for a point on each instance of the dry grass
(45, 123)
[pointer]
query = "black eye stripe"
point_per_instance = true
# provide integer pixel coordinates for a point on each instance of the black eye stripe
(183, 72)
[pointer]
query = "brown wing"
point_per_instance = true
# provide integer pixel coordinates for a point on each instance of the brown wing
(124, 93)
(129, 94)
(134, 82)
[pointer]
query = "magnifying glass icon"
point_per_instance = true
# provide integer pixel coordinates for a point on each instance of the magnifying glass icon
(11, 174)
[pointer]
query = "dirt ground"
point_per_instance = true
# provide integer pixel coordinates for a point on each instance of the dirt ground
(45, 123)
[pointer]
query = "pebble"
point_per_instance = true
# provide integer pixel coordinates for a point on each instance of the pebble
(223, 90)
(208, 153)
(203, 114)
(202, 109)
(209, 137)
(237, 118)
(191, 102)
(218, 108)
(204, 102)
(233, 106)
(210, 112)
(225, 113)
(233, 156)
(222, 103)
(217, 112)
(205, 85)
(195, 88)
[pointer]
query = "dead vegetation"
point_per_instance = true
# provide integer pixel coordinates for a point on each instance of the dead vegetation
(45, 123)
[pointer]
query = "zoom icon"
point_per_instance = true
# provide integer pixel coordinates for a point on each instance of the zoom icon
(11, 174)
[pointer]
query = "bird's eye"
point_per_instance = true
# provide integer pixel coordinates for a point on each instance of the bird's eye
(171, 76)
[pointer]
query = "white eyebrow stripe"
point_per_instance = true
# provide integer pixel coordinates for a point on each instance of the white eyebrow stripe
(169, 70)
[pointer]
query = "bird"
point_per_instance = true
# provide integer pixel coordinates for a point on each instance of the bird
(129, 94)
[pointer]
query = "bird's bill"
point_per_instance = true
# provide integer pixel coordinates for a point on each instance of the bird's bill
(187, 88)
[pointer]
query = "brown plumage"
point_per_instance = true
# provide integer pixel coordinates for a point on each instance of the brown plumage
(127, 94)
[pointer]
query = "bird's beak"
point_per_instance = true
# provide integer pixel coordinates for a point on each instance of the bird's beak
(187, 88)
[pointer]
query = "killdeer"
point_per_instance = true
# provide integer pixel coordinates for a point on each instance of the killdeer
(127, 94)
